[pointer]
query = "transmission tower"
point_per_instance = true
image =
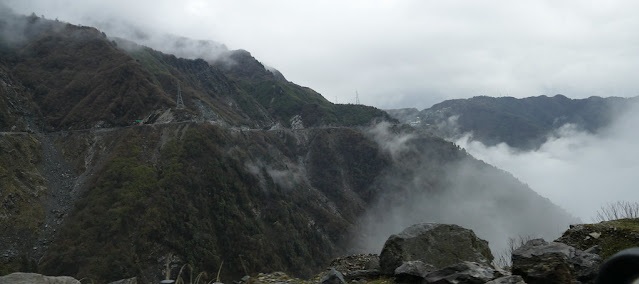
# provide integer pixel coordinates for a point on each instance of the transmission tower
(356, 97)
(180, 102)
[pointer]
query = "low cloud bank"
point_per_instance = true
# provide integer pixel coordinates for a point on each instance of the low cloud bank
(433, 181)
(579, 171)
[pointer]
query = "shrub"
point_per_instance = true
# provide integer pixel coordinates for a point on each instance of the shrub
(504, 259)
(618, 210)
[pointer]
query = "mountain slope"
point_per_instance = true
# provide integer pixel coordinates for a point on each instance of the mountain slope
(111, 180)
(521, 123)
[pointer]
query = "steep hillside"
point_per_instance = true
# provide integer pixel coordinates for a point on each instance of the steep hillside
(104, 177)
(521, 123)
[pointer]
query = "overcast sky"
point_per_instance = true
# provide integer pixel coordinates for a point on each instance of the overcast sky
(403, 53)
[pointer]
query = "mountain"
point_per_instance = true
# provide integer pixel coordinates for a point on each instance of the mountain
(104, 176)
(521, 123)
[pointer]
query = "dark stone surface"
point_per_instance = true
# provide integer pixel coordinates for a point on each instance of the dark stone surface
(440, 245)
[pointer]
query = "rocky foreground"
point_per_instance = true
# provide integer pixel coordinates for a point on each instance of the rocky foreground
(441, 253)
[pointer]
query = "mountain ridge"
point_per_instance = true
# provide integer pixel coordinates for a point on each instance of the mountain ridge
(522, 123)
(256, 172)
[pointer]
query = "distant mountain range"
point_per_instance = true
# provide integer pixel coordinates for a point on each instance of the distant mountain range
(522, 123)
(103, 175)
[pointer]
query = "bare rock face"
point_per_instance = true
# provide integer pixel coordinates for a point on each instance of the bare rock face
(440, 245)
(462, 273)
(413, 271)
(333, 277)
(512, 279)
(541, 262)
(34, 278)
(360, 267)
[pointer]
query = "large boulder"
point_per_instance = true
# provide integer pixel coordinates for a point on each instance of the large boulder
(462, 273)
(511, 279)
(539, 261)
(333, 277)
(34, 278)
(413, 271)
(440, 245)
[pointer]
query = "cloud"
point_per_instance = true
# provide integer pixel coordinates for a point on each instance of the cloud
(579, 171)
(403, 53)
(435, 182)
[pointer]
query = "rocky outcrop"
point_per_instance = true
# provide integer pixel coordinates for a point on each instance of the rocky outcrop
(462, 273)
(538, 261)
(333, 277)
(512, 279)
(34, 278)
(604, 238)
(413, 271)
(440, 245)
(357, 267)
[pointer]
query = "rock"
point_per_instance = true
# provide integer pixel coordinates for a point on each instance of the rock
(358, 266)
(610, 236)
(512, 279)
(440, 245)
(356, 262)
(34, 278)
(538, 261)
(333, 277)
(133, 280)
(275, 277)
(365, 274)
(462, 273)
(586, 265)
(594, 249)
(413, 271)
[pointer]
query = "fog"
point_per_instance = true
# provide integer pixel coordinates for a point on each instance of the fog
(577, 170)
(435, 182)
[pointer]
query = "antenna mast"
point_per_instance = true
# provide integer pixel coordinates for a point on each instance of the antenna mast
(180, 102)
(356, 97)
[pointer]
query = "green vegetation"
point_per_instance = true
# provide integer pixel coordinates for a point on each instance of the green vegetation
(612, 236)
(284, 100)
(22, 186)
(522, 123)
(199, 201)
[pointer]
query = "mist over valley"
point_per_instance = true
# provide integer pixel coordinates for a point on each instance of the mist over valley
(130, 149)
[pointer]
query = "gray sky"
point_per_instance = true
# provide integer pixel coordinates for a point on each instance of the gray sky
(403, 53)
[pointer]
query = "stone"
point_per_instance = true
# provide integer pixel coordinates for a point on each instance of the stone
(34, 278)
(133, 280)
(539, 261)
(364, 274)
(586, 265)
(462, 273)
(356, 262)
(413, 271)
(357, 267)
(440, 245)
(333, 277)
(512, 279)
